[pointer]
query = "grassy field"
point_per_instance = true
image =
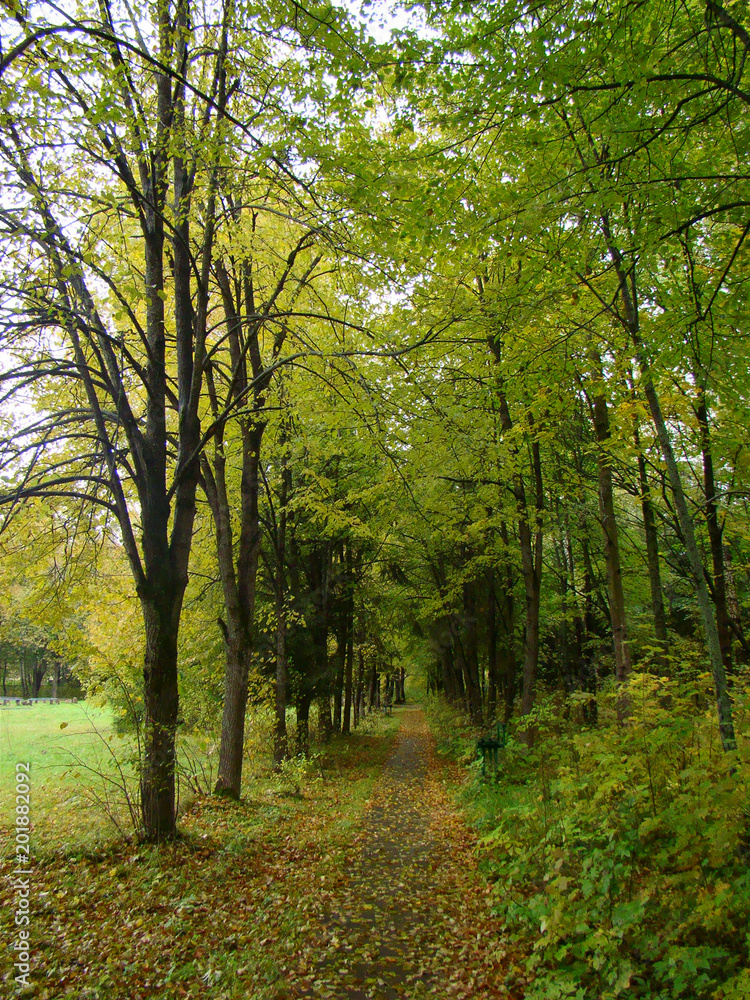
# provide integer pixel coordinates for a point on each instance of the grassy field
(80, 768)
(70, 749)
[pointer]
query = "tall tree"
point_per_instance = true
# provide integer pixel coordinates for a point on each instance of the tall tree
(109, 231)
(261, 276)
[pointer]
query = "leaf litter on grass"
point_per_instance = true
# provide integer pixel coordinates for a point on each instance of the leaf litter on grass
(322, 900)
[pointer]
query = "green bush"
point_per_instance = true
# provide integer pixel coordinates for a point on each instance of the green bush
(619, 853)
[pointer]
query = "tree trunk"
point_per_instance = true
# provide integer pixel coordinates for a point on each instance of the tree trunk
(239, 586)
(629, 298)
(531, 548)
(359, 697)
(531, 560)
(303, 723)
(401, 686)
(348, 668)
(492, 659)
(160, 617)
(236, 672)
(37, 674)
(508, 666)
(325, 723)
(612, 561)
(338, 683)
(723, 701)
(715, 533)
(564, 651)
(588, 676)
(446, 661)
(733, 606)
(374, 691)
(280, 739)
(322, 680)
(470, 655)
(652, 550)
(238, 651)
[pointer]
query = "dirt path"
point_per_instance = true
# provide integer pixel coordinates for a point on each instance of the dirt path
(412, 917)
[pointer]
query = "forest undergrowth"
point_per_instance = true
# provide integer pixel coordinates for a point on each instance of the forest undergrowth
(619, 852)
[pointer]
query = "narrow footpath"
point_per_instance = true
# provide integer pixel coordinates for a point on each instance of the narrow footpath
(413, 917)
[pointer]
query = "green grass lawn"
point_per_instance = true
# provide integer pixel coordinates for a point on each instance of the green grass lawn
(68, 747)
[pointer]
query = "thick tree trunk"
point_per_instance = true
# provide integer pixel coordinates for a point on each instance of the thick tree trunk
(239, 585)
(390, 687)
(160, 617)
(401, 686)
(37, 676)
(238, 653)
(236, 671)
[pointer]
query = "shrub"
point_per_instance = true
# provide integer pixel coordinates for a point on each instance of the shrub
(619, 853)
